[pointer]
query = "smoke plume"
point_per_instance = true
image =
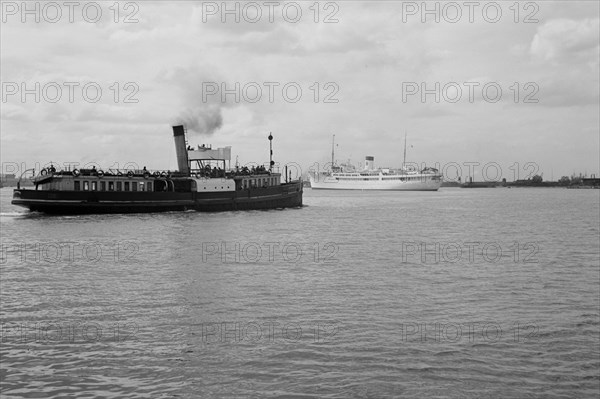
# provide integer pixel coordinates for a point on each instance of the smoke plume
(203, 119)
(200, 114)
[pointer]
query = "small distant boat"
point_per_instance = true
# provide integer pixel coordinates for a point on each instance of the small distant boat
(346, 177)
(202, 183)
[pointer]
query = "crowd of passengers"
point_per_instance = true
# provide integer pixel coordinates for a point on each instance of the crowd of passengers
(244, 171)
(207, 171)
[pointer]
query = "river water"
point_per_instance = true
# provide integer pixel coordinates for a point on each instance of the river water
(456, 293)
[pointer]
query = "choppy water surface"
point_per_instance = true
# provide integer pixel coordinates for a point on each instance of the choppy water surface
(459, 293)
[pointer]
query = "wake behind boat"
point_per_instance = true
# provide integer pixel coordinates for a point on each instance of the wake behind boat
(203, 183)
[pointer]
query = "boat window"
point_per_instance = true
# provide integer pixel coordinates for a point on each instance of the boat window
(126, 186)
(94, 186)
(77, 185)
(133, 186)
(149, 185)
(102, 186)
(119, 186)
(111, 186)
(86, 186)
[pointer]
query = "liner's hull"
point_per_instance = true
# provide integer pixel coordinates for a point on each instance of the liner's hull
(326, 182)
(79, 202)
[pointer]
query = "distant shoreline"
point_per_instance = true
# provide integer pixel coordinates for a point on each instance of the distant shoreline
(584, 183)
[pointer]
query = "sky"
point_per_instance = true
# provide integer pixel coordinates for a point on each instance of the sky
(487, 89)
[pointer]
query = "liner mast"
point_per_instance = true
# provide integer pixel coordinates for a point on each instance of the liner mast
(332, 151)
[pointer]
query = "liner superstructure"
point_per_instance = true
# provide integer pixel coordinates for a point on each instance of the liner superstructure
(345, 177)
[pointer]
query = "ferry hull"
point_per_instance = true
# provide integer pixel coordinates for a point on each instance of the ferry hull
(284, 196)
(78, 202)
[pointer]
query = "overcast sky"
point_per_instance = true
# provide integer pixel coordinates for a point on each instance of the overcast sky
(361, 74)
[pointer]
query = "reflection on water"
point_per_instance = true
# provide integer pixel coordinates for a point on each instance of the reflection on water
(459, 293)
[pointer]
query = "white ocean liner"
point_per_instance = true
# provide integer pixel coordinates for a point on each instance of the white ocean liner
(345, 177)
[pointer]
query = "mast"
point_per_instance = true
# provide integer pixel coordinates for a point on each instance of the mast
(332, 151)
(404, 160)
(270, 152)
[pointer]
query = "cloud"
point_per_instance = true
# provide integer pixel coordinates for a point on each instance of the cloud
(566, 40)
(566, 53)
(13, 112)
(171, 53)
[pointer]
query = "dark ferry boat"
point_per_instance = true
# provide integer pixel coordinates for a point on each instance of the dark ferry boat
(202, 183)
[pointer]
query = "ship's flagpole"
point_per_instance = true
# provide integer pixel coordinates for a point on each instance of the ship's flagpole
(332, 151)
(270, 152)
(404, 160)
